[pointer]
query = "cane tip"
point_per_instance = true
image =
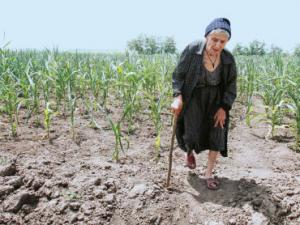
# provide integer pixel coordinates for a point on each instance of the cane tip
(169, 188)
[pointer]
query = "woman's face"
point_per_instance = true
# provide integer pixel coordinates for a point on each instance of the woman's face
(215, 43)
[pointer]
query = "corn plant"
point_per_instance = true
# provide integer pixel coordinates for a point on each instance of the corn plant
(48, 112)
(34, 91)
(95, 84)
(273, 99)
(9, 92)
(105, 81)
(274, 90)
(72, 107)
(116, 126)
(128, 84)
(156, 94)
(11, 106)
(248, 78)
(72, 99)
(61, 83)
(296, 108)
(294, 93)
(157, 104)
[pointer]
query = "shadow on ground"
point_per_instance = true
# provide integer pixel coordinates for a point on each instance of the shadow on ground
(237, 193)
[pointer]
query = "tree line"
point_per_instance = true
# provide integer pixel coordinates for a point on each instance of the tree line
(150, 45)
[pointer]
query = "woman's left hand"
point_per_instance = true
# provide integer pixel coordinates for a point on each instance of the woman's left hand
(220, 117)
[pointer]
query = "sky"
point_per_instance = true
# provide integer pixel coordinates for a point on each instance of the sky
(107, 25)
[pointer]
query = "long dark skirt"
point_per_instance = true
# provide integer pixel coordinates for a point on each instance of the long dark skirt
(199, 131)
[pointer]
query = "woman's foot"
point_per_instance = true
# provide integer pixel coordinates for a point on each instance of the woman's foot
(212, 183)
(190, 160)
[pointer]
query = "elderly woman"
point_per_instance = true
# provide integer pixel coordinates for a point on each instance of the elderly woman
(204, 89)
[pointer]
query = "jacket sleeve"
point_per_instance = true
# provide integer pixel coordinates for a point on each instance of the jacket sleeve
(230, 89)
(181, 70)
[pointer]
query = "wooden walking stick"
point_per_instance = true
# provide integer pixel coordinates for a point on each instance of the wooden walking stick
(171, 149)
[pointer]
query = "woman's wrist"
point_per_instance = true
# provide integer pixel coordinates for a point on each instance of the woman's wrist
(225, 107)
(176, 94)
(178, 97)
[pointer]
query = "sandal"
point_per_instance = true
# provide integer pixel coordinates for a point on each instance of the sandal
(191, 161)
(212, 183)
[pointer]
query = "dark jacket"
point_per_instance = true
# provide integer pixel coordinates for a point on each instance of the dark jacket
(184, 81)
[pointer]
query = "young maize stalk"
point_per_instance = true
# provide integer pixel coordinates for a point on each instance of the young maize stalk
(296, 109)
(47, 120)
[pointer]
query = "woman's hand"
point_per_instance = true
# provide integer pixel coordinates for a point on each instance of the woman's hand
(176, 105)
(220, 117)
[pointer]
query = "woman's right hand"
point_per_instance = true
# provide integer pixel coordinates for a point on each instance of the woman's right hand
(176, 105)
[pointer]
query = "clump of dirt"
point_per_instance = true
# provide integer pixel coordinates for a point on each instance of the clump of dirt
(76, 182)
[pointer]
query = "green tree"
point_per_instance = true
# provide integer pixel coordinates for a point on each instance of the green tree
(137, 45)
(151, 45)
(297, 50)
(275, 50)
(257, 48)
(169, 45)
(240, 50)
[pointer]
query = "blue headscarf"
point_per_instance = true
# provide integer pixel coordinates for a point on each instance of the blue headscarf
(218, 23)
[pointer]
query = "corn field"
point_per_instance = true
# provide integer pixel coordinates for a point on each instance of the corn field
(276, 81)
(48, 84)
